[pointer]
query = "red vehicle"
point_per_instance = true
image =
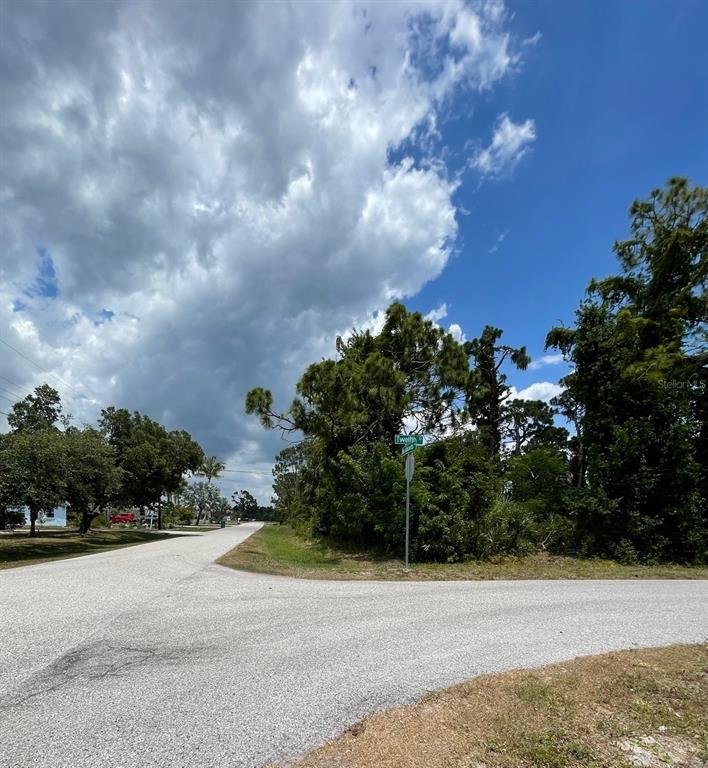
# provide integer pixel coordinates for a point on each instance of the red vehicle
(123, 517)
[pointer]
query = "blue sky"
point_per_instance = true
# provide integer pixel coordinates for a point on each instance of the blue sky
(200, 203)
(619, 94)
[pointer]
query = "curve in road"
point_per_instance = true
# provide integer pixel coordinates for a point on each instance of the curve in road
(156, 656)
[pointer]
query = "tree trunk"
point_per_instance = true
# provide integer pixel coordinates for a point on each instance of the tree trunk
(159, 515)
(581, 465)
(33, 521)
(86, 518)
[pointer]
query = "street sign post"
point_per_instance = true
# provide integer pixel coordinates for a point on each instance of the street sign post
(410, 466)
(409, 439)
(409, 443)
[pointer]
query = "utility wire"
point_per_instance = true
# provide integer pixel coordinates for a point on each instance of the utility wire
(10, 392)
(247, 471)
(4, 414)
(44, 370)
(10, 381)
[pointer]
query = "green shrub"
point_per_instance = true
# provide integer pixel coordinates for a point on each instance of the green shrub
(505, 528)
(11, 518)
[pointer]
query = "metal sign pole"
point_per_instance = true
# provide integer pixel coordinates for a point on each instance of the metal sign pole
(410, 464)
(409, 443)
(408, 506)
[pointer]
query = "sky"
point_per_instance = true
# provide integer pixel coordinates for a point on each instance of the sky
(194, 204)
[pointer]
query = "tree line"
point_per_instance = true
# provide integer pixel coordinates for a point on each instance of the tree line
(129, 461)
(625, 477)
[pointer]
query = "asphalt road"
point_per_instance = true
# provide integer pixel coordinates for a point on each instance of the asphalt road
(155, 656)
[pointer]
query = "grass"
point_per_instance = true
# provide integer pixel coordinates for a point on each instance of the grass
(632, 708)
(194, 528)
(19, 549)
(279, 550)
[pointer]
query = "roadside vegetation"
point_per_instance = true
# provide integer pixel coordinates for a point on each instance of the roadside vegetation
(610, 468)
(281, 551)
(128, 463)
(634, 708)
(19, 548)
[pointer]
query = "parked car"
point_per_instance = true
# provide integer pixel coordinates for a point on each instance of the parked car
(123, 517)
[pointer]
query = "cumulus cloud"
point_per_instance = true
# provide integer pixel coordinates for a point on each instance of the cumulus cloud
(545, 360)
(510, 142)
(456, 332)
(215, 194)
(540, 390)
(439, 313)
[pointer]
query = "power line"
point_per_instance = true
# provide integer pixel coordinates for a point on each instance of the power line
(10, 381)
(247, 471)
(8, 399)
(10, 392)
(4, 414)
(44, 370)
(19, 396)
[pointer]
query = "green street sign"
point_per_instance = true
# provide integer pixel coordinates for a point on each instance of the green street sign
(409, 448)
(409, 439)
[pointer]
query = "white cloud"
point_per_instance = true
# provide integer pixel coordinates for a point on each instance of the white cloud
(510, 143)
(531, 40)
(545, 360)
(456, 332)
(540, 390)
(220, 182)
(439, 313)
(500, 239)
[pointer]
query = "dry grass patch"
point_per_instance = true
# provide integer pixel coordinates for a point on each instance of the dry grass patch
(279, 550)
(644, 708)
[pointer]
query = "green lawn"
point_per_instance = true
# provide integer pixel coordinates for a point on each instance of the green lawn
(279, 550)
(19, 549)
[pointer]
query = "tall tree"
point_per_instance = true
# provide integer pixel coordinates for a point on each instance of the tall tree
(639, 353)
(153, 461)
(211, 468)
(92, 477)
(574, 412)
(11, 515)
(204, 499)
(487, 390)
(245, 505)
(295, 479)
(530, 422)
(33, 465)
(40, 410)
(346, 478)
(412, 373)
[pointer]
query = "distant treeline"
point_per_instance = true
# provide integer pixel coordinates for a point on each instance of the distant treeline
(129, 461)
(625, 479)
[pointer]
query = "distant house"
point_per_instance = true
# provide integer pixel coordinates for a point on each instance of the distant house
(56, 518)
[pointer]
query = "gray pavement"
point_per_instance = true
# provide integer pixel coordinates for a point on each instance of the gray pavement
(155, 656)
